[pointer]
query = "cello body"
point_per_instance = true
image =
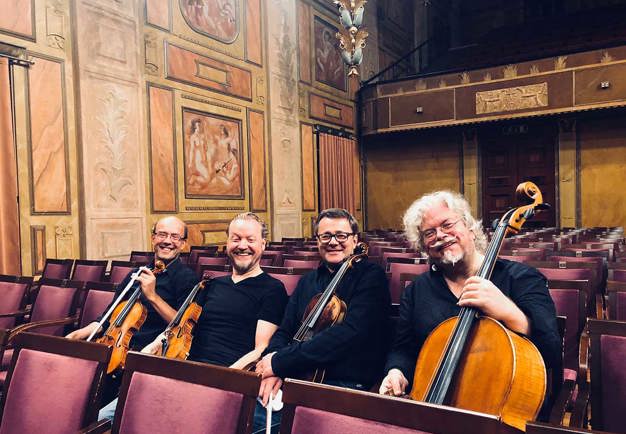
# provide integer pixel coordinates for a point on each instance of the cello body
(500, 372)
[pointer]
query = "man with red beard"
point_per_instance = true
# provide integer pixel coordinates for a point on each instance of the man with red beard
(441, 225)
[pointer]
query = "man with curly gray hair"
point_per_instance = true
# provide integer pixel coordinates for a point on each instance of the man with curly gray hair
(441, 225)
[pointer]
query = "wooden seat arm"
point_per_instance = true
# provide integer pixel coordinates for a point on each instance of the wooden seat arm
(17, 313)
(562, 401)
(579, 411)
(600, 303)
(583, 357)
(39, 324)
(99, 427)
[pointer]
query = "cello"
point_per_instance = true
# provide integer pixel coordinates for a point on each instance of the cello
(178, 334)
(475, 363)
(126, 318)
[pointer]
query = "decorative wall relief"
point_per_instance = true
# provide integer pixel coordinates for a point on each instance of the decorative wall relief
(151, 64)
(212, 156)
(115, 186)
(55, 24)
(217, 19)
(48, 144)
(513, 98)
(329, 68)
(285, 54)
(63, 238)
(509, 71)
(304, 41)
(560, 63)
(260, 90)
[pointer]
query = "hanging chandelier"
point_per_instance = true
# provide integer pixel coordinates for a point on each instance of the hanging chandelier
(351, 35)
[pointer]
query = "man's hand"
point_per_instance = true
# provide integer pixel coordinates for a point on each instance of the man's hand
(394, 383)
(83, 333)
(482, 294)
(155, 347)
(269, 385)
(148, 284)
(264, 366)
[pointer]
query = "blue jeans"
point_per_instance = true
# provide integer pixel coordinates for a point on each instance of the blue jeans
(260, 413)
(108, 411)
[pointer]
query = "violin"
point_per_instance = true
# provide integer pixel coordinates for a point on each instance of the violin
(178, 334)
(126, 318)
(475, 363)
(326, 309)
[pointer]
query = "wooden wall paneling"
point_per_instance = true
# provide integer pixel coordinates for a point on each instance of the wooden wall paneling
(159, 14)
(437, 105)
(163, 177)
(603, 171)
(256, 161)
(328, 110)
(48, 138)
(568, 172)
(207, 232)
(38, 248)
(304, 42)
(18, 18)
(195, 69)
(601, 84)
(309, 184)
(254, 37)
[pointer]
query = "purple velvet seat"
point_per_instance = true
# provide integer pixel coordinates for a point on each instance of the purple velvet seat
(57, 269)
(13, 293)
(320, 409)
(165, 396)
(98, 296)
(89, 271)
(619, 275)
(570, 302)
(545, 428)
(390, 254)
(301, 263)
(206, 271)
(267, 261)
(197, 250)
(289, 276)
(120, 269)
(210, 259)
(141, 257)
(616, 300)
(398, 268)
(536, 254)
(608, 376)
(53, 385)
(278, 256)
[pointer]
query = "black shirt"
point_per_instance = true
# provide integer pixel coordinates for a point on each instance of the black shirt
(173, 286)
(352, 351)
(230, 311)
(428, 301)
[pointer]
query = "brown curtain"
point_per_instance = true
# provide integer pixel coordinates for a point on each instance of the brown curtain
(339, 174)
(9, 212)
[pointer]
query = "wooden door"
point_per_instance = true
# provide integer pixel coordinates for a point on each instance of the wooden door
(512, 154)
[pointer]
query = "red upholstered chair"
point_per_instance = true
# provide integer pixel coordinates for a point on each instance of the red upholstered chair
(13, 295)
(394, 254)
(163, 396)
(306, 251)
(536, 254)
(619, 275)
(311, 264)
(210, 259)
(54, 309)
(277, 254)
(120, 269)
(320, 409)
(213, 271)
(98, 295)
(616, 300)
(141, 258)
(53, 385)
(266, 261)
(57, 269)
(608, 377)
(288, 275)
(194, 251)
(396, 269)
(89, 271)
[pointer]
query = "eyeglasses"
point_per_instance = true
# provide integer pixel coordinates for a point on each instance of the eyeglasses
(341, 237)
(163, 235)
(429, 235)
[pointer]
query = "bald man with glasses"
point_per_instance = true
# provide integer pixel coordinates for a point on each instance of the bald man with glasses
(353, 351)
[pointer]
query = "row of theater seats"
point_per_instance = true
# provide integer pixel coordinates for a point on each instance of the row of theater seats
(54, 386)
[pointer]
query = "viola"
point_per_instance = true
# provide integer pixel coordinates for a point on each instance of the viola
(126, 318)
(326, 309)
(178, 334)
(475, 363)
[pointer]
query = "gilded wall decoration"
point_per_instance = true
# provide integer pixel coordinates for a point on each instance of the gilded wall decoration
(513, 98)
(606, 57)
(114, 185)
(421, 84)
(487, 76)
(510, 71)
(465, 78)
(560, 63)
(260, 90)
(63, 238)
(442, 83)
(534, 69)
(55, 25)
(217, 19)
(329, 68)
(212, 156)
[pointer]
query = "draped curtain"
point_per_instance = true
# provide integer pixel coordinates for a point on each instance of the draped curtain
(339, 174)
(9, 212)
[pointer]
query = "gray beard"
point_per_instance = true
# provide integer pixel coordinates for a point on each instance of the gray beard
(451, 259)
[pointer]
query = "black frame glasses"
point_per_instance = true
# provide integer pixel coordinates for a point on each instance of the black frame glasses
(341, 237)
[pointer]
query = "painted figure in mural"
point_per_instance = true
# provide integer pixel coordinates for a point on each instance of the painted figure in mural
(329, 66)
(225, 158)
(215, 18)
(197, 159)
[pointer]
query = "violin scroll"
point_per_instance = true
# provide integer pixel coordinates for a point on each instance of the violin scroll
(526, 192)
